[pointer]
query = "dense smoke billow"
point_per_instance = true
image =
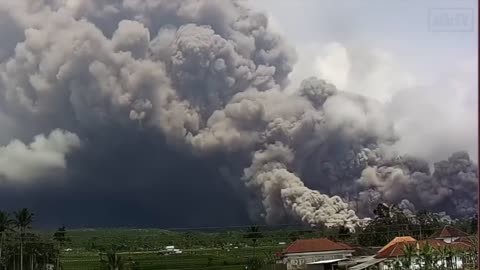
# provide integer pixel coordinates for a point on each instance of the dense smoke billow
(142, 84)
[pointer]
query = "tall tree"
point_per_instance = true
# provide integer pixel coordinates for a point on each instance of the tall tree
(427, 255)
(254, 234)
(23, 221)
(343, 232)
(388, 221)
(6, 224)
(474, 224)
(428, 223)
(114, 261)
(409, 251)
(60, 237)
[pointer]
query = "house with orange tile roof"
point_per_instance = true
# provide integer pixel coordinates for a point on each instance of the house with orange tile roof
(397, 240)
(397, 250)
(318, 254)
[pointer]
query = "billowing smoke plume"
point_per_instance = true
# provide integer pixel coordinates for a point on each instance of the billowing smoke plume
(20, 162)
(209, 76)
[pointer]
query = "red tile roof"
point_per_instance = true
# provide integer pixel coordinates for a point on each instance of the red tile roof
(447, 232)
(465, 239)
(316, 245)
(398, 240)
(462, 245)
(347, 247)
(396, 250)
(432, 242)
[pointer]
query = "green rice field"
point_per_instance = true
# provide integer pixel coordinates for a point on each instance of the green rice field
(214, 251)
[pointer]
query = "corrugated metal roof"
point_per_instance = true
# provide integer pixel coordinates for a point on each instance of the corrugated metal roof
(366, 264)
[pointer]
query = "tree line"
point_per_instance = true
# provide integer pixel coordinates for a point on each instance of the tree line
(390, 222)
(18, 253)
(20, 248)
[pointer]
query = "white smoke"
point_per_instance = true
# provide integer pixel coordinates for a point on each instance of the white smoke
(211, 77)
(42, 157)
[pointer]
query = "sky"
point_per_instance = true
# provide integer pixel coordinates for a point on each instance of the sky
(204, 113)
(388, 50)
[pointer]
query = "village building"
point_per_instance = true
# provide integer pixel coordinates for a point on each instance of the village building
(395, 250)
(321, 254)
(448, 234)
(379, 261)
(396, 240)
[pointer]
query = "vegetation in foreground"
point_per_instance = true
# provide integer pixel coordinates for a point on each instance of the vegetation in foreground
(254, 247)
(428, 257)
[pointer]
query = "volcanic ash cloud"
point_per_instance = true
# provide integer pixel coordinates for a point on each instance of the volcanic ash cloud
(210, 76)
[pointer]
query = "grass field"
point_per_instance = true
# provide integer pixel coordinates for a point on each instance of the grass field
(212, 251)
(209, 259)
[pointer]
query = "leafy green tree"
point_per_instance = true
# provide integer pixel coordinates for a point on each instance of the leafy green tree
(293, 236)
(474, 224)
(6, 224)
(23, 221)
(428, 223)
(253, 233)
(388, 221)
(343, 233)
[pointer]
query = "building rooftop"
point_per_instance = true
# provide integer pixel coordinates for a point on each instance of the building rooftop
(316, 245)
(397, 240)
(466, 239)
(447, 232)
(397, 250)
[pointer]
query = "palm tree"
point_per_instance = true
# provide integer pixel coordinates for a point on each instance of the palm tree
(397, 265)
(474, 240)
(23, 221)
(60, 237)
(114, 262)
(449, 254)
(427, 256)
(456, 255)
(409, 251)
(254, 233)
(5, 226)
(443, 253)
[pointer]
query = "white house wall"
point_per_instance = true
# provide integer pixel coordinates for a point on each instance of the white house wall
(415, 265)
(449, 239)
(295, 261)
